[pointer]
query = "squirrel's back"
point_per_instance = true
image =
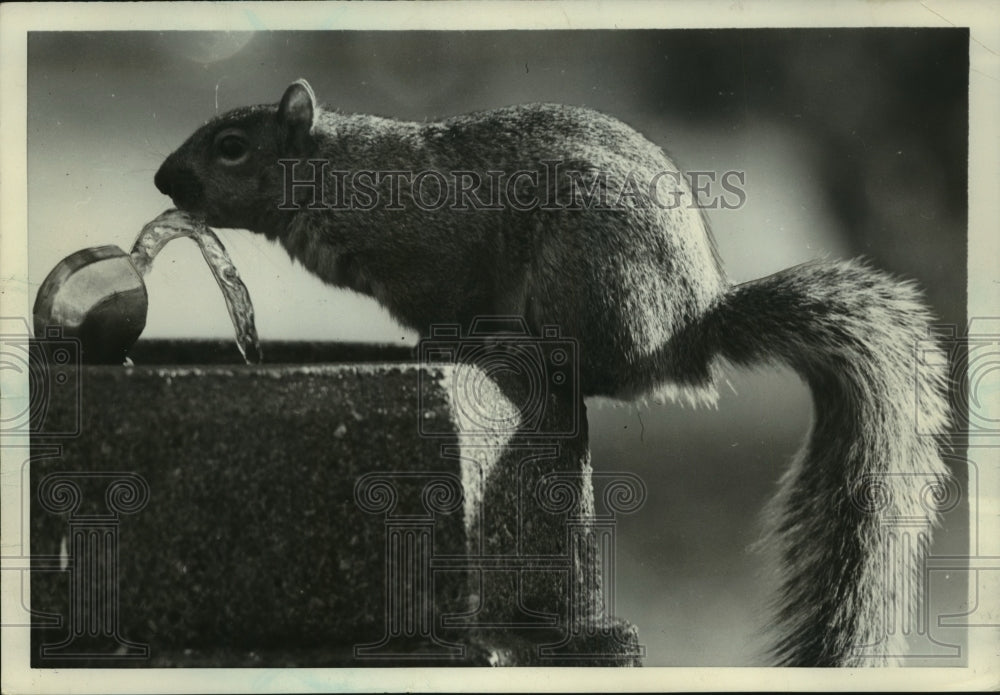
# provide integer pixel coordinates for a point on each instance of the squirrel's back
(568, 217)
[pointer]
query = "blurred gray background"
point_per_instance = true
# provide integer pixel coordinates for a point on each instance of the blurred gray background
(854, 142)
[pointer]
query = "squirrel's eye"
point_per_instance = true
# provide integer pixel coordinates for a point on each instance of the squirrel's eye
(232, 146)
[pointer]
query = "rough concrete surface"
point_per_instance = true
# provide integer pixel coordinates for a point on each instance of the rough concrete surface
(289, 513)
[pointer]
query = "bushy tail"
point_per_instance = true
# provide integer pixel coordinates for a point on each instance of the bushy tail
(853, 516)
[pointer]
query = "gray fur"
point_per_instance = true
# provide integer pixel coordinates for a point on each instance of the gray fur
(642, 291)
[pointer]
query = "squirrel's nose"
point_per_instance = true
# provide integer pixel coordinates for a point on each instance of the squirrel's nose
(162, 179)
(180, 184)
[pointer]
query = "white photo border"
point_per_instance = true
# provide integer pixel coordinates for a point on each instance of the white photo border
(983, 19)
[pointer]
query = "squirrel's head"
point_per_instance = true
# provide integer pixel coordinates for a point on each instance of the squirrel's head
(229, 170)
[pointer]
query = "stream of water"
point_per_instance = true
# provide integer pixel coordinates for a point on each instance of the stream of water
(172, 224)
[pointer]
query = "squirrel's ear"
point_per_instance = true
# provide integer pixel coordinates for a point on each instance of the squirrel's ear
(295, 118)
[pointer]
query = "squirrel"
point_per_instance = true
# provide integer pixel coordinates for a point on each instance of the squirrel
(637, 282)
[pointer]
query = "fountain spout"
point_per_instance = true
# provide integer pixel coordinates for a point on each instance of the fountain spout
(97, 296)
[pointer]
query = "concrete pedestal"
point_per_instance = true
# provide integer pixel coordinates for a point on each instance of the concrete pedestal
(336, 506)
